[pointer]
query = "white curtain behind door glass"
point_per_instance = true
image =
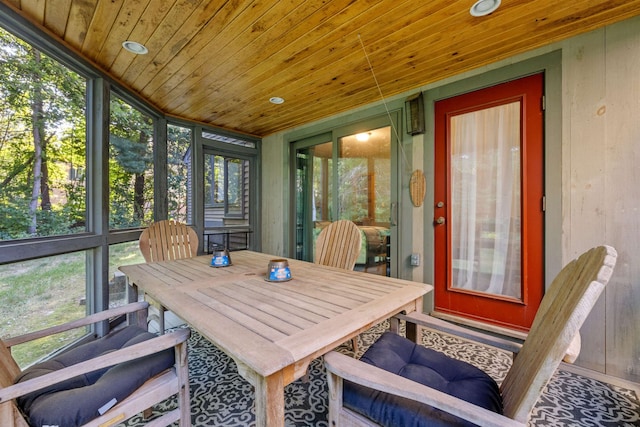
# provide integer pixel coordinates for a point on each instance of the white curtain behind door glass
(485, 200)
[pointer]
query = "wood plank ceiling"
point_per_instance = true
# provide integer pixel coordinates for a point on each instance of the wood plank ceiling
(219, 62)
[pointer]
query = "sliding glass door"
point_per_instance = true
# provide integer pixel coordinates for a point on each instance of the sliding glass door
(347, 175)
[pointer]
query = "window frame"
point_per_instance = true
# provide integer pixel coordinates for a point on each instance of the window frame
(224, 203)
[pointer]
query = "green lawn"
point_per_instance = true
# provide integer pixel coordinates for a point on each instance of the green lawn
(40, 293)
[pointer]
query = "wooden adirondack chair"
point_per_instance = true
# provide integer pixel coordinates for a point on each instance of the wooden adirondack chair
(172, 381)
(564, 308)
(339, 245)
(167, 240)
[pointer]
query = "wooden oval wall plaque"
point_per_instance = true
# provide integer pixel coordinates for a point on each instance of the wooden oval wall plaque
(417, 187)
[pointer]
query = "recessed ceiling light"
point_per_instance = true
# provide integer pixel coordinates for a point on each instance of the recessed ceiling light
(135, 47)
(276, 100)
(484, 7)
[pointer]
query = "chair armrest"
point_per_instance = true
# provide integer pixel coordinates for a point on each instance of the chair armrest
(440, 325)
(93, 318)
(136, 351)
(370, 376)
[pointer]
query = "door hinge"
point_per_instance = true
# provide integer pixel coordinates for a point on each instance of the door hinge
(544, 203)
(543, 102)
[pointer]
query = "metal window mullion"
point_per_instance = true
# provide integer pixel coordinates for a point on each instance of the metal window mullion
(226, 186)
(98, 197)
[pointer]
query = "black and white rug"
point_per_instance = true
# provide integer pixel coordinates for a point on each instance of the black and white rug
(221, 397)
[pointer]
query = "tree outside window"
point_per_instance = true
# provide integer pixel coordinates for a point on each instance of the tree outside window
(42, 144)
(130, 166)
(42, 193)
(179, 176)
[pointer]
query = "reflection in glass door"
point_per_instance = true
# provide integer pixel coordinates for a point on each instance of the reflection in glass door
(313, 195)
(350, 179)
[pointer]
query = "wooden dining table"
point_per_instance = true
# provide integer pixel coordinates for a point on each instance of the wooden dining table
(273, 330)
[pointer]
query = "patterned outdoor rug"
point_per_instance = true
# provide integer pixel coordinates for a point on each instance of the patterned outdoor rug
(220, 397)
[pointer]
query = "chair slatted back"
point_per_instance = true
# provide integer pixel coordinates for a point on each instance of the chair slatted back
(338, 245)
(168, 240)
(563, 309)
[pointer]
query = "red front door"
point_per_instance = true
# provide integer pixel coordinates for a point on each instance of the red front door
(489, 182)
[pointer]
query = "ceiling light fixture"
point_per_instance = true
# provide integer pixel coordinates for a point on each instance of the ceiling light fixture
(363, 137)
(484, 7)
(276, 100)
(135, 47)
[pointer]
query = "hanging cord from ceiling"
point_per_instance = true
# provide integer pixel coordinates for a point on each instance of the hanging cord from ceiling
(393, 126)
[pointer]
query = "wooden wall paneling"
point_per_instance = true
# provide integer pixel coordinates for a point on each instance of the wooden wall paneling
(212, 22)
(234, 49)
(101, 24)
(80, 16)
(510, 21)
(386, 69)
(130, 14)
(583, 171)
(216, 45)
(217, 62)
(335, 70)
(253, 58)
(56, 16)
(153, 15)
(35, 9)
(467, 49)
(322, 52)
(318, 84)
(176, 67)
(621, 199)
(181, 23)
(460, 43)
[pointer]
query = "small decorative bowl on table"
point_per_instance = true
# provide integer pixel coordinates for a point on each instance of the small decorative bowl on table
(278, 271)
(221, 258)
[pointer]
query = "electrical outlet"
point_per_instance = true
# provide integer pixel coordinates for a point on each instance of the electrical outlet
(415, 259)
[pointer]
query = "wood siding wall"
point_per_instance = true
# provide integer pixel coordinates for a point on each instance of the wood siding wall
(601, 184)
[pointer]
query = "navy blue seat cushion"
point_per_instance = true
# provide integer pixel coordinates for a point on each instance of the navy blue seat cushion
(76, 401)
(403, 357)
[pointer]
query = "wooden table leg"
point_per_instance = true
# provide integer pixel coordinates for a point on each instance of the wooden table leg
(269, 402)
(269, 395)
(412, 331)
(394, 325)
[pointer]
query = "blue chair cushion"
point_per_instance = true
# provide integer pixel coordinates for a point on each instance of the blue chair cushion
(77, 401)
(403, 357)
